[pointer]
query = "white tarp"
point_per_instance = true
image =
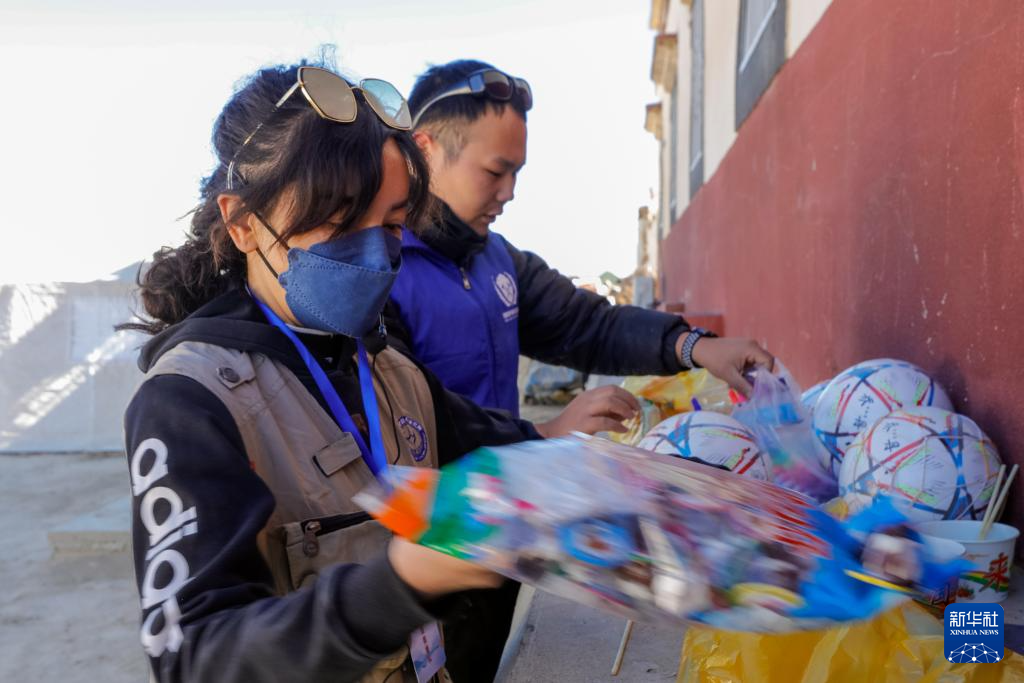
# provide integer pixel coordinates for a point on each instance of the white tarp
(65, 375)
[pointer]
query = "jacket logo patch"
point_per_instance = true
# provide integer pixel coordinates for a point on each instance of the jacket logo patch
(507, 289)
(414, 435)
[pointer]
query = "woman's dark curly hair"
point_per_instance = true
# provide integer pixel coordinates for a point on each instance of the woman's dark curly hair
(331, 168)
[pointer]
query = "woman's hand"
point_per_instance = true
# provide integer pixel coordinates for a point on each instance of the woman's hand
(433, 574)
(599, 410)
(727, 358)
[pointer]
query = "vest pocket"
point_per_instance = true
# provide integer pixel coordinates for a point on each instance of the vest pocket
(338, 455)
(313, 545)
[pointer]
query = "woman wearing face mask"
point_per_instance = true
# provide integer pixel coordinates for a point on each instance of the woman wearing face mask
(270, 399)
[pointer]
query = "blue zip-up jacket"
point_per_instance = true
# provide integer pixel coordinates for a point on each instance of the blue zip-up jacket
(463, 318)
(467, 305)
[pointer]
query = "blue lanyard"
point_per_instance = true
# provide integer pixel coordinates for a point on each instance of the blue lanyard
(374, 457)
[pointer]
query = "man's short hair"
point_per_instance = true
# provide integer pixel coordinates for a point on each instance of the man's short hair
(447, 118)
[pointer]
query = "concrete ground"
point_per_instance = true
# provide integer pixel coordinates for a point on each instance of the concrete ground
(64, 618)
(565, 641)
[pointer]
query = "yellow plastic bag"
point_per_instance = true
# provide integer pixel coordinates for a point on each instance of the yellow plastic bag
(905, 644)
(662, 397)
(675, 394)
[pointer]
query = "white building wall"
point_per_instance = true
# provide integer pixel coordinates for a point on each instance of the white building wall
(801, 18)
(675, 121)
(65, 375)
(721, 18)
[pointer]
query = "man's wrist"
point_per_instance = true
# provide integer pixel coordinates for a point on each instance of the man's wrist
(687, 342)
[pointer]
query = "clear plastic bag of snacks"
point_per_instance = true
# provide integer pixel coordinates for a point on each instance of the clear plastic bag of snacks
(782, 427)
(653, 537)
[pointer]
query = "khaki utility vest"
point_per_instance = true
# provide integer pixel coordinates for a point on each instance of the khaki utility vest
(311, 466)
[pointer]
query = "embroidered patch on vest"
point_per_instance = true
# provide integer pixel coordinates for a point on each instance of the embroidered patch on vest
(415, 436)
(507, 289)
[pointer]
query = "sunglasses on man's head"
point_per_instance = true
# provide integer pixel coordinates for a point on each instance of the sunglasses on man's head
(489, 83)
(334, 99)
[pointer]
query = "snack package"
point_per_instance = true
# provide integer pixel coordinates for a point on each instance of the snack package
(653, 537)
(662, 397)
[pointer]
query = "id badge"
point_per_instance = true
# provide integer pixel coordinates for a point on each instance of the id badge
(427, 651)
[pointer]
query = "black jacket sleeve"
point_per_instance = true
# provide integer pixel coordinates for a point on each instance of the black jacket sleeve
(564, 325)
(209, 610)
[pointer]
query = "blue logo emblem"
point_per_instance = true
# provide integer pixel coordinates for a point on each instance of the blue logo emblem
(974, 633)
(415, 436)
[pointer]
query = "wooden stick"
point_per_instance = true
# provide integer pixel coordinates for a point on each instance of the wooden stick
(622, 648)
(992, 500)
(999, 503)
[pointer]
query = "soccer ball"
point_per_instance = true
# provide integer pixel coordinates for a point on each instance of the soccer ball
(712, 437)
(938, 464)
(859, 396)
(809, 398)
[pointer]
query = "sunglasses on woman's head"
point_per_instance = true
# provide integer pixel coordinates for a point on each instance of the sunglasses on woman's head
(334, 99)
(487, 82)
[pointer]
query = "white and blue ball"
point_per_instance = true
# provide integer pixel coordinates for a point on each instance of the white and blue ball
(712, 437)
(932, 463)
(863, 394)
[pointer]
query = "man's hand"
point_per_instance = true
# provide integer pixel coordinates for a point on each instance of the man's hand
(599, 410)
(728, 358)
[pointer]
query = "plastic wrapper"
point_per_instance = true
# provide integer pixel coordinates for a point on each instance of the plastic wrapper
(662, 397)
(654, 537)
(904, 644)
(783, 429)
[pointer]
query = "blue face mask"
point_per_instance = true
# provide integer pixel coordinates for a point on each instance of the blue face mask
(341, 285)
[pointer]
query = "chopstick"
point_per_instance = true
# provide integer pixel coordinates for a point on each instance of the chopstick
(997, 510)
(991, 507)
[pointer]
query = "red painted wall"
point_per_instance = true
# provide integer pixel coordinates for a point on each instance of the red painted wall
(872, 206)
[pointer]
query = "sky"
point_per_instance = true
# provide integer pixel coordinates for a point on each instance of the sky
(108, 109)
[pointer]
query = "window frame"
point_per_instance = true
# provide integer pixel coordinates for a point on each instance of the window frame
(696, 130)
(756, 68)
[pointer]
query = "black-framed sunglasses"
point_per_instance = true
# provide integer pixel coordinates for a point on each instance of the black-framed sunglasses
(334, 99)
(488, 82)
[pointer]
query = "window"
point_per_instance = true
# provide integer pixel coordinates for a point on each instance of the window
(697, 98)
(760, 51)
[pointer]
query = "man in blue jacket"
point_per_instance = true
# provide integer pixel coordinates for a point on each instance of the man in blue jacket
(467, 303)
